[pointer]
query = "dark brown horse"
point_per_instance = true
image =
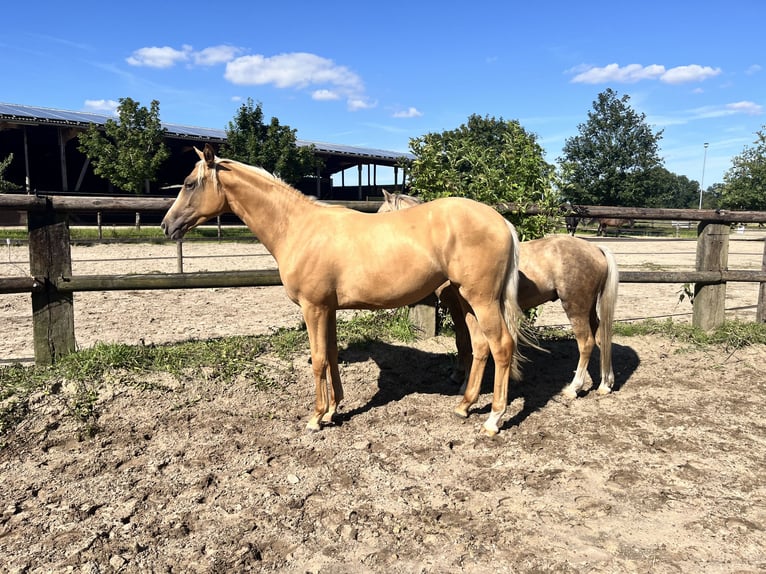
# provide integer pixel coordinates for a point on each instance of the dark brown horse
(605, 222)
(583, 276)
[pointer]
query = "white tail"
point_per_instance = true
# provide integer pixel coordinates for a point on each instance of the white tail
(512, 312)
(606, 305)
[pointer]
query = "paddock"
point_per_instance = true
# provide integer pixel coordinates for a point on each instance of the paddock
(664, 475)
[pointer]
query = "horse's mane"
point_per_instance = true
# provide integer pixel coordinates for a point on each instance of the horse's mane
(260, 172)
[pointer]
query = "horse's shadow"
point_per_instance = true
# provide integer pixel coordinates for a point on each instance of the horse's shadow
(545, 373)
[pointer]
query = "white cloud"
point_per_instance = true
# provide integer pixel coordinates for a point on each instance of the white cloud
(355, 104)
(325, 95)
(614, 73)
(692, 73)
(749, 108)
(299, 70)
(754, 69)
(636, 72)
(109, 106)
(408, 113)
(216, 55)
(159, 57)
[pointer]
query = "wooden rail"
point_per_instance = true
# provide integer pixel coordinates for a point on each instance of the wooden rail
(52, 284)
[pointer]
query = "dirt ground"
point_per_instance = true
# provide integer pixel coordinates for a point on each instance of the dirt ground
(663, 475)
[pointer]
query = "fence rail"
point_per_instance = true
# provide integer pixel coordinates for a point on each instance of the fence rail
(52, 284)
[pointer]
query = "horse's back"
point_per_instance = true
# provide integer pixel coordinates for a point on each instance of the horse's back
(559, 266)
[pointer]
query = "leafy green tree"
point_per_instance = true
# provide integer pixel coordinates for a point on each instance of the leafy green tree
(669, 190)
(744, 184)
(271, 146)
(610, 162)
(130, 151)
(6, 185)
(489, 160)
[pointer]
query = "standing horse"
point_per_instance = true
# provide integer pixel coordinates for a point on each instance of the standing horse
(582, 275)
(572, 221)
(605, 222)
(338, 258)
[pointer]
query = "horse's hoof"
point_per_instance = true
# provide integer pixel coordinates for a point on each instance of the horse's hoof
(603, 390)
(313, 427)
(569, 394)
(460, 413)
(491, 433)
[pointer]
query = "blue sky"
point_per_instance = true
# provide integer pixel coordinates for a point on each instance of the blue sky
(378, 74)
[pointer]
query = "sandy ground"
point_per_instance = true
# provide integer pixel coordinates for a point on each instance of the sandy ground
(663, 475)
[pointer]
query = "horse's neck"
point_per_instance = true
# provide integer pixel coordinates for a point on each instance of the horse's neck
(269, 207)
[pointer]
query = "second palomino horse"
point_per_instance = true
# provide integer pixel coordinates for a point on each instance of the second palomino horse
(333, 258)
(582, 275)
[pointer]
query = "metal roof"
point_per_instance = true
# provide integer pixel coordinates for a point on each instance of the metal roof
(39, 115)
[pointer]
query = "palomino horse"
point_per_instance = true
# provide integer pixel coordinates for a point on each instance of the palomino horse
(582, 275)
(338, 258)
(605, 222)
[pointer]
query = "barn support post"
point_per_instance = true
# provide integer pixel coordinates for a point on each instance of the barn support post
(712, 255)
(52, 310)
(760, 313)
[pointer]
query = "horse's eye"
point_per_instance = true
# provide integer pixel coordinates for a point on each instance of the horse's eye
(189, 184)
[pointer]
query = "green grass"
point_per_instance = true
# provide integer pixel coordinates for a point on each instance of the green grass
(79, 377)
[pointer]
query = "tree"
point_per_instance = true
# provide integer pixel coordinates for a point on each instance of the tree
(489, 160)
(271, 146)
(612, 158)
(744, 184)
(668, 190)
(131, 150)
(6, 185)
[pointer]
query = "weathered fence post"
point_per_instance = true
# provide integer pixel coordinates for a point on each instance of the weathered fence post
(52, 310)
(712, 255)
(760, 313)
(425, 317)
(180, 256)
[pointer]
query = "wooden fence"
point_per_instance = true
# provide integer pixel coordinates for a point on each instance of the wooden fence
(52, 284)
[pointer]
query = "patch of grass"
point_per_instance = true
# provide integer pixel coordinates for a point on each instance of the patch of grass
(732, 334)
(80, 376)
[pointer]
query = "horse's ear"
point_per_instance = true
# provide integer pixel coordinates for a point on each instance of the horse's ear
(209, 155)
(199, 153)
(387, 196)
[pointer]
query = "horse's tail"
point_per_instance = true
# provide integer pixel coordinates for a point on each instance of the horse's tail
(512, 312)
(606, 306)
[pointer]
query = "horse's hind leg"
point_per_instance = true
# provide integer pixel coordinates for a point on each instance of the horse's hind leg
(480, 351)
(450, 297)
(496, 337)
(584, 327)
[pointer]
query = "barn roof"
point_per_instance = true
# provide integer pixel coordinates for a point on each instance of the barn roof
(344, 154)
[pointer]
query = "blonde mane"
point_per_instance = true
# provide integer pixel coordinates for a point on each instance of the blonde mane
(259, 171)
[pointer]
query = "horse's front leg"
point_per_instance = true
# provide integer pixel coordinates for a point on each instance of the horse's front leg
(319, 321)
(333, 372)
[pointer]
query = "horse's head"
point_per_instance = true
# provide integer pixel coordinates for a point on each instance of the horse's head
(200, 197)
(397, 201)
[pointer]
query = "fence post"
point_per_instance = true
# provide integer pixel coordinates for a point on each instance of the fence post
(712, 255)
(424, 316)
(760, 313)
(52, 310)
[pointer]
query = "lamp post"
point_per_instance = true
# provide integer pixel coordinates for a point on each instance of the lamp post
(702, 181)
